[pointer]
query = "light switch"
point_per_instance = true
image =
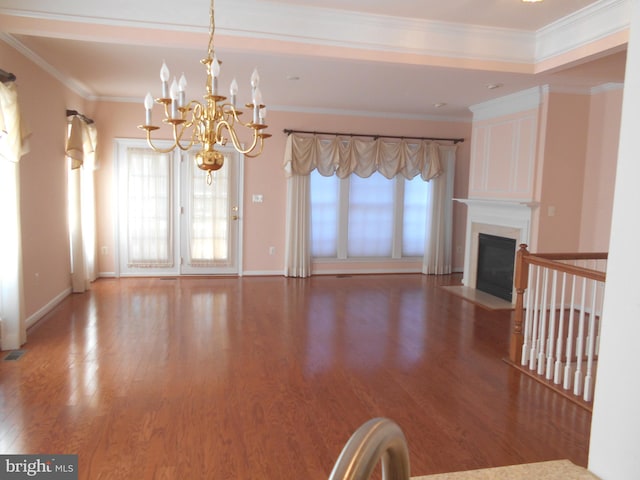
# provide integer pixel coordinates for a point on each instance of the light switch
(256, 198)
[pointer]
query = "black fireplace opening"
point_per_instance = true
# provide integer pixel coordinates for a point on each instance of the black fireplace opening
(496, 259)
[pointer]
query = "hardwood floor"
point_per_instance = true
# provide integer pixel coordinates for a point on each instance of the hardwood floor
(267, 377)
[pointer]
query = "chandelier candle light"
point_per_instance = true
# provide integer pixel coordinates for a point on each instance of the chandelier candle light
(210, 122)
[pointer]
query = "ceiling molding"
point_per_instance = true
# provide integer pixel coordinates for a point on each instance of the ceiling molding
(70, 83)
(365, 31)
(595, 22)
(607, 87)
(329, 27)
(522, 101)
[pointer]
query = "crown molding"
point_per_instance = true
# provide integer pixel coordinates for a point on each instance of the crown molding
(329, 27)
(522, 101)
(592, 23)
(70, 83)
(531, 99)
(340, 28)
(607, 87)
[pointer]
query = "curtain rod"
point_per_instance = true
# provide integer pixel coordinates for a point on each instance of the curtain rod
(75, 112)
(6, 77)
(454, 140)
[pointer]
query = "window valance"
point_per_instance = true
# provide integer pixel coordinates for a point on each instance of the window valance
(343, 156)
(81, 141)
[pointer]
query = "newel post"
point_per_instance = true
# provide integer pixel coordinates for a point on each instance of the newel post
(521, 279)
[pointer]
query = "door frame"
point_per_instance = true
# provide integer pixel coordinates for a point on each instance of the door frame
(120, 150)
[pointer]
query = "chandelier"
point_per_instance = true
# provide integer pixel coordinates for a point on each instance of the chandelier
(211, 122)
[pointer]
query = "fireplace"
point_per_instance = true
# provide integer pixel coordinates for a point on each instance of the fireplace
(496, 257)
(510, 219)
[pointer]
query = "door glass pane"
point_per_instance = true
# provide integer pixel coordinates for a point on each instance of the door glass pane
(149, 219)
(370, 231)
(209, 222)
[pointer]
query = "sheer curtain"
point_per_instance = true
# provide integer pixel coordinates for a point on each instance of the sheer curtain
(13, 135)
(342, 157)
(149, 219)
(439, 225)
(208, 212)
(81, 147)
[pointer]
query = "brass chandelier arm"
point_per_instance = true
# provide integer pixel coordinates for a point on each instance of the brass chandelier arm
(196, 117)
(155, 148)
(254, 155)
(234, 137)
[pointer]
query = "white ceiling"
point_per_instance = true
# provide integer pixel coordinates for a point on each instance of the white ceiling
(368, 56)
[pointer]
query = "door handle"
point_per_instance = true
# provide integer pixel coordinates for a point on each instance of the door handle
(235, 217)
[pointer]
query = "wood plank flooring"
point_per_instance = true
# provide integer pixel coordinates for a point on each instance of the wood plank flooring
(267, 377)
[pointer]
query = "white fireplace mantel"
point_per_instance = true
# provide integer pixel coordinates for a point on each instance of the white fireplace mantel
(504, 218)
(496, 203)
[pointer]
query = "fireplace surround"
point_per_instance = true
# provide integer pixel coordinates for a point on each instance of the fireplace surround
(501, 218)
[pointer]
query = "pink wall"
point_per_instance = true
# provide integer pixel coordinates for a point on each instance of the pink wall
(264, 223)
(600, 170)
(564, 154)
(43, 193)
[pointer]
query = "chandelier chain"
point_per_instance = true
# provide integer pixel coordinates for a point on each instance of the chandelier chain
(212, 28)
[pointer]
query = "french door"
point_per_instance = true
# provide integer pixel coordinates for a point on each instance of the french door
(170, 221)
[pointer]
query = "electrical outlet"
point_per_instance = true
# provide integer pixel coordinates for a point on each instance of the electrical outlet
(272, 250)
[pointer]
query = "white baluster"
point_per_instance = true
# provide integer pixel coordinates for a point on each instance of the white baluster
(567, 368)
(577, 376)
(533, 353)
(557, 374)
(599, 317)
(588, 380)
(528, 301)
(543, 323)
(552, 326)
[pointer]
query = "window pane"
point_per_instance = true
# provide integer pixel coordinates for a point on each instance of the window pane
(370, 216)
(415, 216)
(324, 215)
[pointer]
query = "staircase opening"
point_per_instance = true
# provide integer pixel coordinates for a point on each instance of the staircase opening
(496, 260)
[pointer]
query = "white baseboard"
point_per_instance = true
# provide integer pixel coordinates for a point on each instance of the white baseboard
(365, 271)
(33, 319)
(262, 273)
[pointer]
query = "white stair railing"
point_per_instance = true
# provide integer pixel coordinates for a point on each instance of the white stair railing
(558, 317)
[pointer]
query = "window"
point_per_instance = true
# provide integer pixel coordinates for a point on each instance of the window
(370, 217)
